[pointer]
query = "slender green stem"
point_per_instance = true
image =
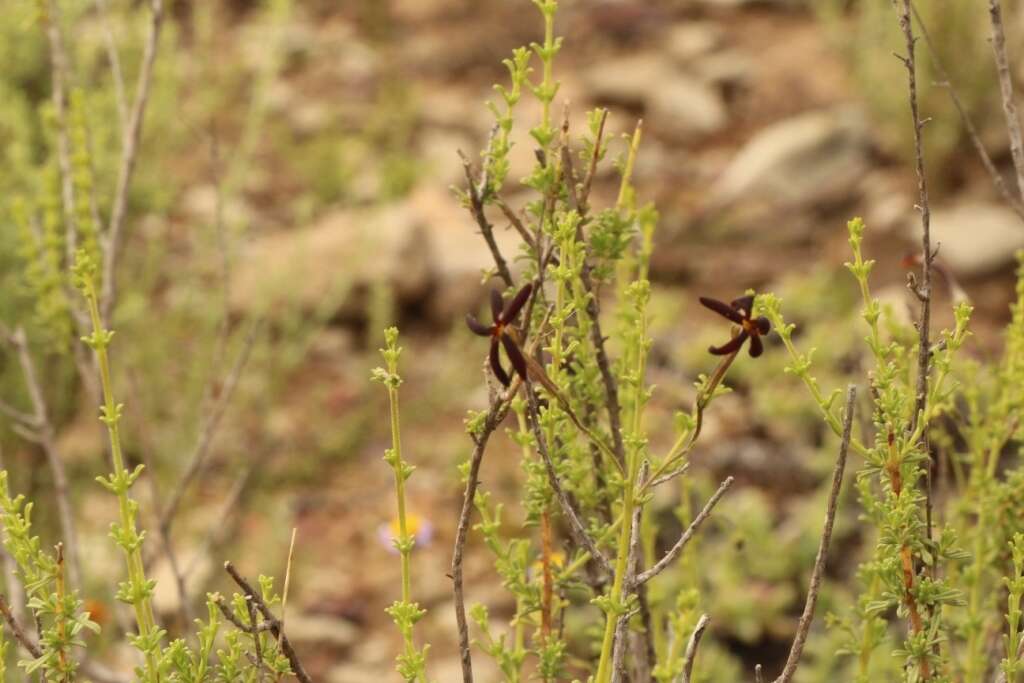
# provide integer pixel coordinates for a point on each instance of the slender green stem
(629, 501)
(403, 524)
(407, 613)
(139, 589)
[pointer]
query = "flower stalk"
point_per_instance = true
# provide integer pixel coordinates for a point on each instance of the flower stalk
(137, 591)
(411, 663)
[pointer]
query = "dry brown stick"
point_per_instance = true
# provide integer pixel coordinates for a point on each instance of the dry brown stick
(972, 132)
(694, 527)
(19, 633)
(257, 646)
(195, 462)
(633, 562)
(495, 415)
(60, 68)
(115, 62)
(568, 172)
(1006, 91)
(515, 221)
(645, 656)
(94, 671)
(220, 530)
(275, 623)
(21, 417)
(619, 649)
(592, 308)
(804, 626)
(579, 532)
(923, 289)
(131, 135)
(46, 436)
(60, 72)
(588, 179)
(476, 206)
(665, 478)
(209, 429)
(691, 647)
(252, 628)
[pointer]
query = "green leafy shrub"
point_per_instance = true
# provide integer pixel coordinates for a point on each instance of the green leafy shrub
(616, 605)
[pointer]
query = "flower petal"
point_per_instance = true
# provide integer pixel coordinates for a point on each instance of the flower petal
(499, 371)
(514, 306)
(477, 327)
(722, 309)
(731, 346)
(496, 305)
(756, 347)
(745, 305)
(514, 355)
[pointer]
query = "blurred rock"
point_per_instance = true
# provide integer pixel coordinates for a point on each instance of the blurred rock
(333, 262)
(676, 103)
(684, 106)
(726, 69)
(423, 10)
(356, 673)
(754, 459)
(976, 238)
(426, 248)
(83, 440)
(321, 631)
(166, 599)
(457, 252)
(692, 39)
(798, 161)
(200, 203)
(439, 150)
(897, 300)
(747, 3)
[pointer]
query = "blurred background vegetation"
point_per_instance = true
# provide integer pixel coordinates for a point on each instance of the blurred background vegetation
(293, 197)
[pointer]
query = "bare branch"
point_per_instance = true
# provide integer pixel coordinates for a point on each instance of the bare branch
(253, 627)
(972, 132)
(274, 623)
(672, 554)
(44, 434)
(515, 221)
(924, 290)
(221, 530)
(632, 562)
(579, 532)
(498, 411)
(115, 62)
(588, 180)
(60, 71)
(205, 437)
(995, 14)
(131, 135)
(826, 536)
(691, 647)
(670, 476)
(19, 416)
(19, 633)
(597, 337)
(476, 206)
(619, 649)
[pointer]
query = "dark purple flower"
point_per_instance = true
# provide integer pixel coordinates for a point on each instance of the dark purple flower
(503, 316)
(740, 312)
